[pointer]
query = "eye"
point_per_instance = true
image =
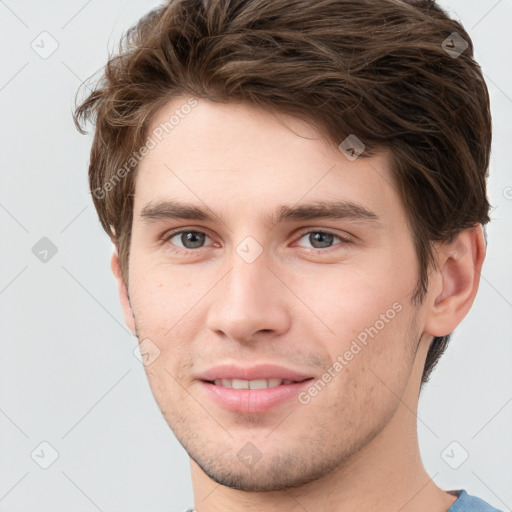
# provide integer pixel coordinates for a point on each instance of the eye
(188, 238)
(323, 239)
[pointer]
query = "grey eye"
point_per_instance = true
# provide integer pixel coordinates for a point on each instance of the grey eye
(320, 239)
(190, 239)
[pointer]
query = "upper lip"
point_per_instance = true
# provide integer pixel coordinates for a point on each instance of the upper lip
(256, 372)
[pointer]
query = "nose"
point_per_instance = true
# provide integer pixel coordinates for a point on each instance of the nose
(249, 302)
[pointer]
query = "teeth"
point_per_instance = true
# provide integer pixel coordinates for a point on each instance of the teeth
(238, 384)
(251, 384)
(263, 383)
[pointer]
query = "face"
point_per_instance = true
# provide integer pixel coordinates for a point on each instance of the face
(319, 304)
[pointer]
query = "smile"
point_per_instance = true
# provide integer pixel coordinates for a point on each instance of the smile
(251, 384)
(252, 396)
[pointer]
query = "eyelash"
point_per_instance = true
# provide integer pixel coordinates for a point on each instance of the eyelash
(171, 234)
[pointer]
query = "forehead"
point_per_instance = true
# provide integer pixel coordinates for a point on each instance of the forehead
(237, 154)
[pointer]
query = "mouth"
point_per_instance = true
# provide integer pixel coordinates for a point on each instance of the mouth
(253, 396)
(254, 389)
(252, 384)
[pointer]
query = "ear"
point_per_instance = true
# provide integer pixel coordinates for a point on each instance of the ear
(455, 281)
(123, 292)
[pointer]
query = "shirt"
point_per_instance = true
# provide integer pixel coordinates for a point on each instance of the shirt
(468, 503)
(464, 503)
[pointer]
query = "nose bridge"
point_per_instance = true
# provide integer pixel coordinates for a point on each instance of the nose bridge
(245, 283)
(247, 299)
(246, 286)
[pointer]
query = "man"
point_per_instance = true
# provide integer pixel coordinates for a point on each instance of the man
(296, 191)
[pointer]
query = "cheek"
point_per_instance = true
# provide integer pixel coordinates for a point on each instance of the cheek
(350, 299)
(370, 375)
(371, 337)
(163, 299)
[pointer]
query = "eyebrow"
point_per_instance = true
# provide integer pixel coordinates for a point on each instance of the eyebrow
(335, 210)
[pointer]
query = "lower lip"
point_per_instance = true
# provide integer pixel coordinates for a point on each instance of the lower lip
(252, 400)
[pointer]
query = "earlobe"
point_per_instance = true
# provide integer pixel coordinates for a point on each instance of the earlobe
(123, 292)
(455, 281)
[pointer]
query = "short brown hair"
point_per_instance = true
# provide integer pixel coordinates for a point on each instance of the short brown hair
(398, 74)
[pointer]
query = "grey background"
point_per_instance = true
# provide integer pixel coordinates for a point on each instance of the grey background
(68, 373)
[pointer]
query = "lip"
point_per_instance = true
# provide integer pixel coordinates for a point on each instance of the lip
(255, 372)
(252, 400)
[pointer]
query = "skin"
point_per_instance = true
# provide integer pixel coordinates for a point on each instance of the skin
(299, 304)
